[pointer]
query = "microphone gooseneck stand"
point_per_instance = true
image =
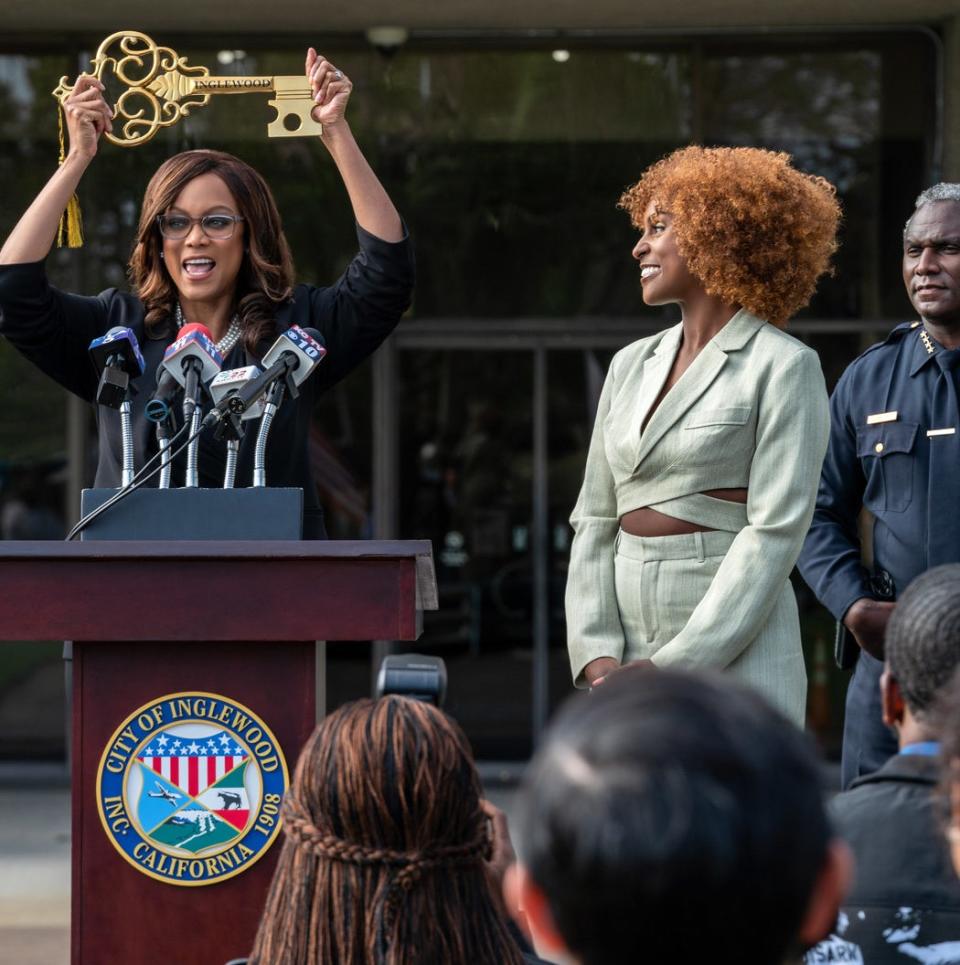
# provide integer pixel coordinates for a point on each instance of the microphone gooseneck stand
(163, 444)
(194, 417)
(158, 410)
(260, 452)
(126, 433)
(230, 472)
(231, 429)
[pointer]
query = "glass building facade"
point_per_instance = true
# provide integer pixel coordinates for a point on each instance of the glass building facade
(469, 427)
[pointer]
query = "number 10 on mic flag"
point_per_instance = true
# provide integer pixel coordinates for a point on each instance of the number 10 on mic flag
(307, 349)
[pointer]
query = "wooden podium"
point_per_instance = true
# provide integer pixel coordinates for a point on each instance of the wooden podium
(234, 620)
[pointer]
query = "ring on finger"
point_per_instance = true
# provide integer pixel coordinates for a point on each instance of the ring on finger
(338, 75)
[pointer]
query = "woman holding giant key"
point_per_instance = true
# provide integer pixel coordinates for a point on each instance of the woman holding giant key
(210, 249)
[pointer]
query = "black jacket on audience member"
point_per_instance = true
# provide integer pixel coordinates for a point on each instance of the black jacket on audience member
(53, 329)
(905, 898)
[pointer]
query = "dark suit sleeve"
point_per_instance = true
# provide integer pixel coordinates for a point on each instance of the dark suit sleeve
(52, 328)
(830, 561)
(363, 306)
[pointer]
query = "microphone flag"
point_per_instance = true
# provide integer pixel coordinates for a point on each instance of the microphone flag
(116, 358)
(121, 344)
(231, 381)
(306, 345)
(195, 343)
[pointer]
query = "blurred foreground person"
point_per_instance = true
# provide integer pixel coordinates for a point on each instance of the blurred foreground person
(905, 899)
(675, 817)
(948, 720)
(388, 847)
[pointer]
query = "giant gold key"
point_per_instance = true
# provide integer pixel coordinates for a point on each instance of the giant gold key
(160, 88)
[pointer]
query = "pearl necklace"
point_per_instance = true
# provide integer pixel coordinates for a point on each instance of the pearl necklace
(226, 344)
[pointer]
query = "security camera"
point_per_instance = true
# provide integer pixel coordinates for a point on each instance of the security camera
(387, 40)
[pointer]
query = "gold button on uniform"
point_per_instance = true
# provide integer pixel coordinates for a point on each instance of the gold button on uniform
(878, 447)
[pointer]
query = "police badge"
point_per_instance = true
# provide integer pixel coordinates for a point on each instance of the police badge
(189, 788)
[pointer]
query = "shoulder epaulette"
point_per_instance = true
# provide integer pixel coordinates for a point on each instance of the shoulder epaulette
(902, 329)
(896, 334)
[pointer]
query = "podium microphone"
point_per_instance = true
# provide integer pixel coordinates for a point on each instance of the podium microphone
(228, 383)
(193, 360)
(288, 362)
(292, 357)
(116, 357)
(159, 410)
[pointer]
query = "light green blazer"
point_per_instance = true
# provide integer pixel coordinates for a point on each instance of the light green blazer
(750, 411)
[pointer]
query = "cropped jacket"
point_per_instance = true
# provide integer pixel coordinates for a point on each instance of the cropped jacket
(750, 412)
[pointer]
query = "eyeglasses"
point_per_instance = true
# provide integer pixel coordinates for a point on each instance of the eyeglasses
(218, 227)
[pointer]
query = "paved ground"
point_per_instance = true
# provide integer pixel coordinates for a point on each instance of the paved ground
(35, 875)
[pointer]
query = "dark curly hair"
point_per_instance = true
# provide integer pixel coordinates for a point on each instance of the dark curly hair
(753, 229)
(922, 640)
(266, 274)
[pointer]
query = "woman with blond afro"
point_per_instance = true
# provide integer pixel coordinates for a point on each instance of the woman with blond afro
(703, 466)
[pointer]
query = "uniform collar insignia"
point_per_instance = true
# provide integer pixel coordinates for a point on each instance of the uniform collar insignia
(924, 349)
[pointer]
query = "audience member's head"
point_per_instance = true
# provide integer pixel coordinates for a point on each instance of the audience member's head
(675, 817)
(384, 856)
(949, 721)
(925, 627)
(922, 646)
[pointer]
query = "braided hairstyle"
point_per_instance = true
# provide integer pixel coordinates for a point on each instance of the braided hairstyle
(384, 855)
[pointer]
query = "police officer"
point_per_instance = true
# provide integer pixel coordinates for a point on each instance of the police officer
(895, 450)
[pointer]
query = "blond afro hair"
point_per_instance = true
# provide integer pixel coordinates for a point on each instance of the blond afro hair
(754, 230)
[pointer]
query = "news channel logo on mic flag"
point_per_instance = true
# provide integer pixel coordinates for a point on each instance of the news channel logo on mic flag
(100, 348)
(189, 788)
(197, 344)
(306, 345)
(302, 340)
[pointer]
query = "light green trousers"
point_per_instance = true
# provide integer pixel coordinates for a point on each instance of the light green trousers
(659, 582)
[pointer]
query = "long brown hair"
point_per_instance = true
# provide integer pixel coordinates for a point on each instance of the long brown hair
(383, 860)
(265, 280)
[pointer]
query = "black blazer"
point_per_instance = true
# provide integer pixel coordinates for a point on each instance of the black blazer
(354, 315)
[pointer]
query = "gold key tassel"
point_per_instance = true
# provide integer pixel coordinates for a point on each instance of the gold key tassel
(71, 223)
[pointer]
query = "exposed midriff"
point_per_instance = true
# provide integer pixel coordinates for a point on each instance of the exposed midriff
(647, 521)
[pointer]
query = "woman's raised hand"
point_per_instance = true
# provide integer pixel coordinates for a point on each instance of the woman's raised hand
(331, 89)
(372, 207)
(88, 116)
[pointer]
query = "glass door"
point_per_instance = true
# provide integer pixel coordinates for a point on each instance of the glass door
(465, 482)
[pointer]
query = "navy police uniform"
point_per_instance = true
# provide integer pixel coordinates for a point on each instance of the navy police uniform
(894, 449)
